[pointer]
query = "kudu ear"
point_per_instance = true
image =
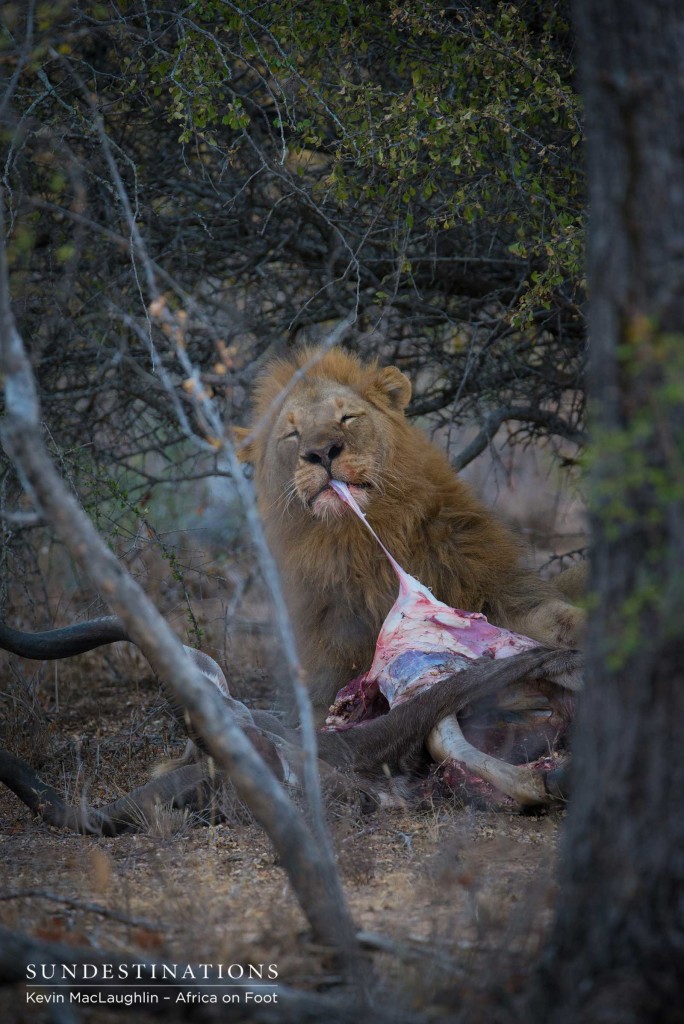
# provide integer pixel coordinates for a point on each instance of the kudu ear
(394, 386)
(244, 449)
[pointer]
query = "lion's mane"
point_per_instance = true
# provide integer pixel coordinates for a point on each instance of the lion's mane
(339, 585)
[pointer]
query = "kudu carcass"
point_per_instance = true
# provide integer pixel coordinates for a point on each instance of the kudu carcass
(444, 686)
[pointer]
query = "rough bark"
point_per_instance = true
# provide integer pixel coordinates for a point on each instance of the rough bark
(618, 942)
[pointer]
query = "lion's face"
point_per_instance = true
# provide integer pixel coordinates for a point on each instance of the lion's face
(329, 432)
(327, 429)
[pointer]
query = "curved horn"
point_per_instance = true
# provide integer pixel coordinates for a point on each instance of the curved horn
(69, 641)
(62, 643)
(188, 786)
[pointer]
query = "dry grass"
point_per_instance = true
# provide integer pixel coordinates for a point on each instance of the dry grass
(445, 884)
(451, 888)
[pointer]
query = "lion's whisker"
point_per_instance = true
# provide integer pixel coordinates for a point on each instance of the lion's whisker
(291, 495)
(284, 499)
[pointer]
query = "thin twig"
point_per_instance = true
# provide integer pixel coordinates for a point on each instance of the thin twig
(310, 868)
(91, 908)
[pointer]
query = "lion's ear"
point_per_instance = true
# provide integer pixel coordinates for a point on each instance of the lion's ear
(244, 451)
(395, 386)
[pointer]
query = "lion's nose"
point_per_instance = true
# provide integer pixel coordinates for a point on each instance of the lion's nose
(324, 454)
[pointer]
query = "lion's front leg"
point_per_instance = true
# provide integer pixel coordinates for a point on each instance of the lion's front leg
(335, 644)
(554, 623)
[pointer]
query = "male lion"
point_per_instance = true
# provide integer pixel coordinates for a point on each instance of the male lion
(343, 419)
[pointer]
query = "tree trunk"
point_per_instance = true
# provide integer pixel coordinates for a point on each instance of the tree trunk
(617, 949)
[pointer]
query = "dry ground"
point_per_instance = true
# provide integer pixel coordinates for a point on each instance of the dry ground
(448, 884)
(458, 892)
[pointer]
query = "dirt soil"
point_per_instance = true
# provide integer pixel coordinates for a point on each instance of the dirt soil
(454, 890)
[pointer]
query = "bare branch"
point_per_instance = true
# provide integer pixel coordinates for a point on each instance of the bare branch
(315, 882)
(553, 424)
(88, 908)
